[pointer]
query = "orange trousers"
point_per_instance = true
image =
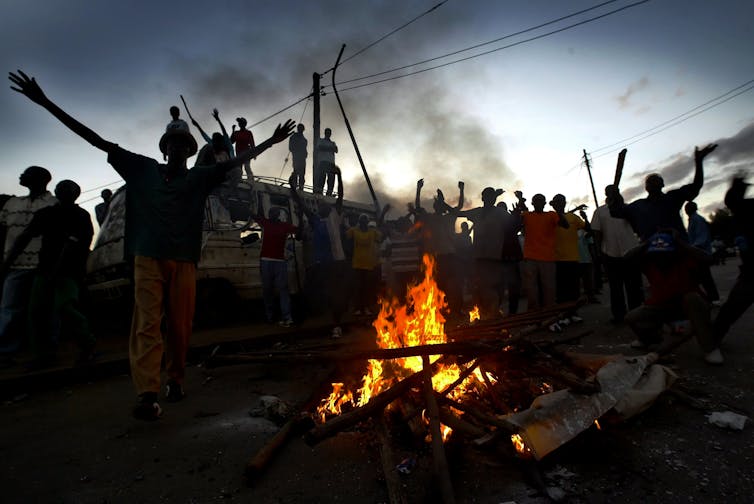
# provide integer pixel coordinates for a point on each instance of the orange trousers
(161, 287)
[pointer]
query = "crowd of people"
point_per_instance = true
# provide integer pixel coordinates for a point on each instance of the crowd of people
(489, 260)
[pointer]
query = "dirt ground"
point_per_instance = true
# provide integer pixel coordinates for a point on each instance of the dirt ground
(75, 442)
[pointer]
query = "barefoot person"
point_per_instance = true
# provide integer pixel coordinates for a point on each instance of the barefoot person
(164, 209)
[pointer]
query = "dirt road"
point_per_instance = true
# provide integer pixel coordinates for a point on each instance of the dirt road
(76, 443)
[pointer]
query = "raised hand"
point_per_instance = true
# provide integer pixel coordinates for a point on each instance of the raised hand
(461, 185)
(701, 154)
(283, 132)
(420, 183)
(215, 114)
(27, 86)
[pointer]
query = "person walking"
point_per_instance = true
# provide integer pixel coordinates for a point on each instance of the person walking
(165, 211)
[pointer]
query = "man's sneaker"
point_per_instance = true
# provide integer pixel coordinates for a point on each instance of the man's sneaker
(639, 345)
(564, 322)
(147, 408)
(337, 332)
(286, 323)
(174, 391)
(575, 319)
(714, 357)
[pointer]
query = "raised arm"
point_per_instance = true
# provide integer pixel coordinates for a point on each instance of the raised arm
(699, 156)
(339, 201)
(460, 195)
(203, 133)
(281, 133)
(28, 86)
(297, 199)
(417, 199)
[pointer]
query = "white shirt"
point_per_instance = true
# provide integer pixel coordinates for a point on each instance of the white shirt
(15, 216)
(617, 235)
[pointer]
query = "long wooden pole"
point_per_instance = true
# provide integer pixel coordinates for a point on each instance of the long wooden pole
(439, 461)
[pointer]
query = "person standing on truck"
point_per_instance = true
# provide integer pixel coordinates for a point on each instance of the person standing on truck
(273, 266)
(243, 140)
(326, 150)
(297, 147)
(164, 214)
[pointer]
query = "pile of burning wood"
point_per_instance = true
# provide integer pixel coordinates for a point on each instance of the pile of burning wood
(482, 380)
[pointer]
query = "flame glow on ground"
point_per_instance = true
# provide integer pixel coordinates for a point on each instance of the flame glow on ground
(418, 321)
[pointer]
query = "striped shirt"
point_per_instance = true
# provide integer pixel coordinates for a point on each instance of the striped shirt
(16, 216)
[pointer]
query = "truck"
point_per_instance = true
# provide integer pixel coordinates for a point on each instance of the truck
(228, 270)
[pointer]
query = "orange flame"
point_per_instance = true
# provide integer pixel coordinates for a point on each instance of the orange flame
(520, 446)
(597, 424)
(417, 322)
(474, 314)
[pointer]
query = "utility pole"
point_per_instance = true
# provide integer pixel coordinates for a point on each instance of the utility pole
(315, 126)
(587, 162)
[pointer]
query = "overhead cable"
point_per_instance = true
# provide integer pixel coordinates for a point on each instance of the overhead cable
(520, 32)
(391, 33)
(714, 102)
(520, 42)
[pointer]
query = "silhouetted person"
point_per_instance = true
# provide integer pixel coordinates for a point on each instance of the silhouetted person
(659, 209)
(490, 222)
(700, 237)
(66, 232)
(165, 211)
(539, 252)
(243, 139)
(671, 266)
(329, 269)
(326, 150)
(100, 210)
(176, 122)
(567, 254)
(512, 255)
(741, 296)
(438, 239)
(615, 237)
(273, 266)
(15, 217)
(364, 262)
(297, 147)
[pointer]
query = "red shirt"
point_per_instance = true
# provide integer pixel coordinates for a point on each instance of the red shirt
(243, 139)
(667, 286)
(274, 236)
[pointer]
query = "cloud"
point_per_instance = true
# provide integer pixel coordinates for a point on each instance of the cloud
(733, 154)
(624, 100)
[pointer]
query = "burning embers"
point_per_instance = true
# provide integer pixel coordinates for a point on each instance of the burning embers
(416, 323)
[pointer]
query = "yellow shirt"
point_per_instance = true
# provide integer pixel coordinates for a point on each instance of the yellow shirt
(364, 247)
(567, 240)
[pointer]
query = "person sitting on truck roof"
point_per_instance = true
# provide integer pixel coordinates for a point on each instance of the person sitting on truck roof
(164, 214)
(273, 266)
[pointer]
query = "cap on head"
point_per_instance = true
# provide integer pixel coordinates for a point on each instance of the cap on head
(661, 242)
(178, 130)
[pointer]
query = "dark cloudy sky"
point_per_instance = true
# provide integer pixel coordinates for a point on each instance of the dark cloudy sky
(517, 118)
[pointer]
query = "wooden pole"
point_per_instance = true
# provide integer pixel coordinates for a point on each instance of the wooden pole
(315, 125)
(440, 463)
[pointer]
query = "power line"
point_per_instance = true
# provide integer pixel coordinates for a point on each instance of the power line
(478, 45)
(280, 111)
(679, 118)
(391, 33)
(520, 42)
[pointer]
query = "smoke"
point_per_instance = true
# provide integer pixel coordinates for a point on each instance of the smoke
(625, 100)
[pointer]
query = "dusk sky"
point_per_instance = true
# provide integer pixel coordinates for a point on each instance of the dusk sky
(516, 118)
